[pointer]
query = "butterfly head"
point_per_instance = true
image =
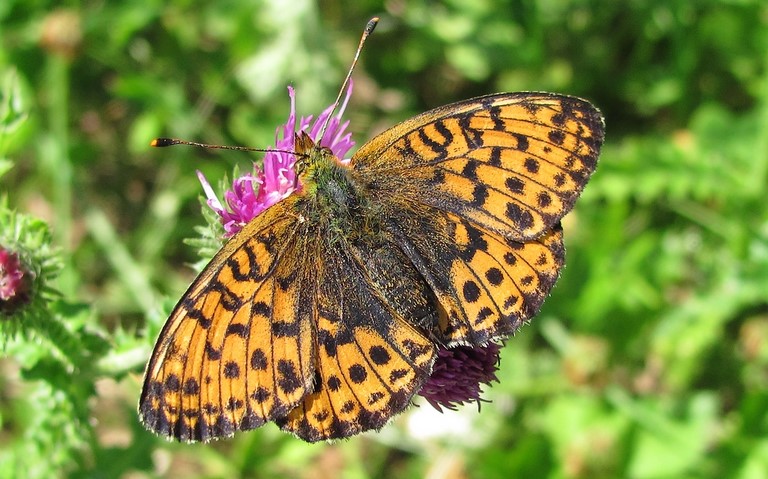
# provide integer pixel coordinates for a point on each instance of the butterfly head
(309, 156)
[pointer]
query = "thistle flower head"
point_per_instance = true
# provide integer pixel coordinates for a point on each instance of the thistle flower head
(15, 281)
(458, 374)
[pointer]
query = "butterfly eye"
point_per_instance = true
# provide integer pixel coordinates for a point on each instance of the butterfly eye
(300, 165)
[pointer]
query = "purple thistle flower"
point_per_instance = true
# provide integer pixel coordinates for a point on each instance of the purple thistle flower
(458, 373)
(14, 282)
(253, 193)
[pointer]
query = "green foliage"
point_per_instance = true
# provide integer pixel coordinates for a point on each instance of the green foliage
(650, 360)
(55, 350)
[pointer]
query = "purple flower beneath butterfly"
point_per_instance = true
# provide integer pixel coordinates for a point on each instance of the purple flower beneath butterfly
(457, 372)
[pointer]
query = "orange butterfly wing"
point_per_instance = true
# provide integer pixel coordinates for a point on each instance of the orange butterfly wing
(285, 326)
(513, 163)
(372, 356)
(237, 350)
(475, 191)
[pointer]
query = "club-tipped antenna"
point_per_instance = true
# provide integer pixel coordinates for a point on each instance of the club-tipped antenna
(163, 142)
(368, 30)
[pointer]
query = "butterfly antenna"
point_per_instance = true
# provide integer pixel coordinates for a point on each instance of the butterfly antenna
(368, 30)
(163, 142)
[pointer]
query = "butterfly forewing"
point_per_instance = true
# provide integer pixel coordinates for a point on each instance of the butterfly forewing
(513, 163)
(235, 353)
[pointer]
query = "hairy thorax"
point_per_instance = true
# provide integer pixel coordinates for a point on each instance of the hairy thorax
(336, 202)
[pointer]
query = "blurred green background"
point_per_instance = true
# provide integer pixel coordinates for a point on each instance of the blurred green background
(649, 360)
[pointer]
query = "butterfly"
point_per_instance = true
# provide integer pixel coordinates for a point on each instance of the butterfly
(324, 313)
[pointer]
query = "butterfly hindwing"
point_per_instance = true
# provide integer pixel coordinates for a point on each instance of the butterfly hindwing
(513, 163)
(487, 285)
(371, 359)
(499, 285)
